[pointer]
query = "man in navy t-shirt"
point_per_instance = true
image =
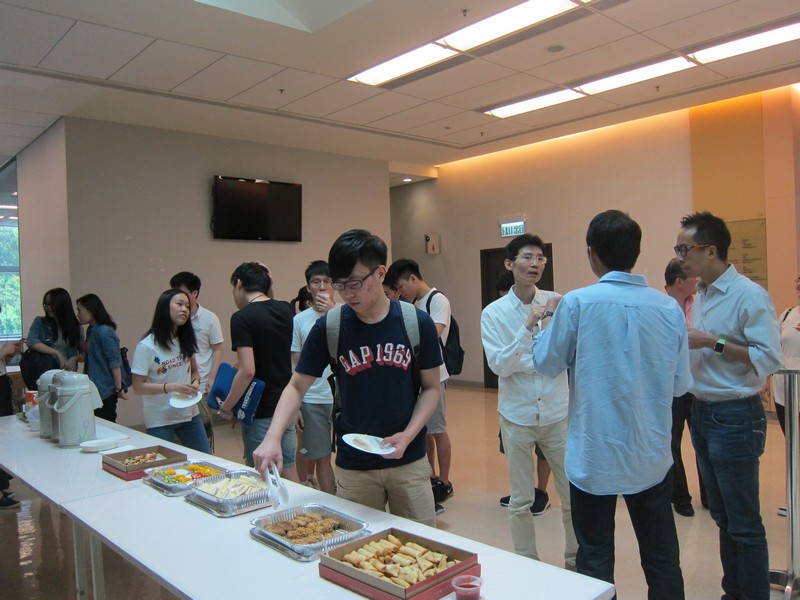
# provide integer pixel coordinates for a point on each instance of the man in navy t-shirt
(377, 389)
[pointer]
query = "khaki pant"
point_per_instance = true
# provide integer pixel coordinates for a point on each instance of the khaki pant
(519, 442)
(407, 489)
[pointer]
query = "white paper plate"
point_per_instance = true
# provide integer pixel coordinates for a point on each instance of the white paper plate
(177, 400)
(98, 445)
(367, 443)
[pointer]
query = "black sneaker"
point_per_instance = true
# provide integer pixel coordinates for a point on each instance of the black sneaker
(8, 503)
(441, 490)
(505, 500)
(8, 494)
(438, 508)
(541, 503)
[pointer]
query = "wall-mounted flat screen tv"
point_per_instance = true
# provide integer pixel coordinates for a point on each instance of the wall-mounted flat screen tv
(254, 209)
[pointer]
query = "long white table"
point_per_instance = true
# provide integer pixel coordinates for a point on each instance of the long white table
(168, 538)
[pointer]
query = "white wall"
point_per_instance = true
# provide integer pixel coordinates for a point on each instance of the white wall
(139, 206)
(43, 228)
(642, 167)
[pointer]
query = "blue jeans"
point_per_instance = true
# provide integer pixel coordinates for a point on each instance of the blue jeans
(728, 438)
(653, 524)
(191, 434)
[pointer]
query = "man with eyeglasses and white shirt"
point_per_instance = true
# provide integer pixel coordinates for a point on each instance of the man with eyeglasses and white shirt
(734, 346)
(377, 387)
(532, 406)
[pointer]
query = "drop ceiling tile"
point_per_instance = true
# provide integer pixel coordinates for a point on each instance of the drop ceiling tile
(27, 36)
(647, 14)
(675, 84)
(283, 88)
(724, 21)
(458, 122)
(388, 103)
(585, 65)
(163, 65)
(497, 92)
(94, 51)
(478, 135)
(462, 77)
(229, 76)
(23, 117)
(577, 36)
(332, 99)
(414, 117)
(753, 63)
(12, 145)
(564, 112)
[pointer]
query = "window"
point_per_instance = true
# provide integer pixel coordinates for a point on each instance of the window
(10, 298)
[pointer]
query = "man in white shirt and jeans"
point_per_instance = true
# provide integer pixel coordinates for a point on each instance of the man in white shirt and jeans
(411, 286)
(533, 407)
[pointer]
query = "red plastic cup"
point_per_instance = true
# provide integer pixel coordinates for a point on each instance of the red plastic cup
(467, 587)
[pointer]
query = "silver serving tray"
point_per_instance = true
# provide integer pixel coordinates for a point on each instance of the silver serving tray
(258, 535)
(176, 489)
(349, 528)
(228, 507)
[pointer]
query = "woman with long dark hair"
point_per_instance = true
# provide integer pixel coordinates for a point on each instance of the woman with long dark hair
(58, 332)
(103, 360)
(163, 364)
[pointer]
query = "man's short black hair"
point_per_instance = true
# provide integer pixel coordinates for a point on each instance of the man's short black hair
(518, 243)
(710, 230)
(404, 268)
(317, 268)
(187, 280)
(673, 271)
(616, 239)
(356, 245)
(254, 276)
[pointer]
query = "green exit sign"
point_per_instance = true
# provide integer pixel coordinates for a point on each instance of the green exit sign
(511, 229)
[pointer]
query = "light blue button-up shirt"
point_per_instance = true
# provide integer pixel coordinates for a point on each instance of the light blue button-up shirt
(627, 349)
(740, 311)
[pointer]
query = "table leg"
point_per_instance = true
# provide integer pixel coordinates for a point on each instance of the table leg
(79, 552)
(98, 577)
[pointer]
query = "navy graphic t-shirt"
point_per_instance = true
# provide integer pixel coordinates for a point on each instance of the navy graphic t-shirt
(375, 373)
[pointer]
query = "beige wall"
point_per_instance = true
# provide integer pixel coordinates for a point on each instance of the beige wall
(138, 207)
(641, 167)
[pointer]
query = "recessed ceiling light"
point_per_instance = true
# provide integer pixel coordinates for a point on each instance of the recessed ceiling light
(636, 75)
(8, 206)
(404, 64)
(535, 103)
(407, 180)
(751, 43)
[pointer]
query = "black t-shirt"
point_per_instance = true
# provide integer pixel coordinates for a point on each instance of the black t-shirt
(375, 372)
(266, 327)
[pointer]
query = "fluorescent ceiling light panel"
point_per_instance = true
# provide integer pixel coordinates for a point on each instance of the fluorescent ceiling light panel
(748, 44)
(534, 103)
(506, 22)
(635, 76)
(403, 64)
(8, 206)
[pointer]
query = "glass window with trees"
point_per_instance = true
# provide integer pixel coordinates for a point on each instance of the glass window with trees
(10, 297)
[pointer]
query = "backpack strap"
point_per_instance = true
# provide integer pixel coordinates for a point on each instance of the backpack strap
(428, 303)
(333, 328)
(411, 326)
(786, 314)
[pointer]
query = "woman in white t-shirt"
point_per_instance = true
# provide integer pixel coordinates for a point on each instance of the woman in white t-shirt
(164, 365)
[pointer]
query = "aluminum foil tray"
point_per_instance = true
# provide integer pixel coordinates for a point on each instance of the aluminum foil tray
(349, 528)
(228, 507)
(178, 488)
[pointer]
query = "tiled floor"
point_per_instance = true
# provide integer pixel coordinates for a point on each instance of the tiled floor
(37, 541)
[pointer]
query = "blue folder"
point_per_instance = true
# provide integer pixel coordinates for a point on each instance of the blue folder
(248, 403)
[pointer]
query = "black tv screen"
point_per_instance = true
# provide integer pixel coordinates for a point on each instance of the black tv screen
(254, 209)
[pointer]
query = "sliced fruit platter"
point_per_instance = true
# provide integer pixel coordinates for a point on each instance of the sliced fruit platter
(177, 479)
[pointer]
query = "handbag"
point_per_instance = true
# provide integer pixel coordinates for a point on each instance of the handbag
(32, 364)
(246, 407)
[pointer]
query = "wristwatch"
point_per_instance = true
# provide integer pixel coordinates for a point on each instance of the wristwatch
(547, 313)
(719, 347)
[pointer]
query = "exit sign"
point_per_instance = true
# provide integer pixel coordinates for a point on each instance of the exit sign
(512, 229)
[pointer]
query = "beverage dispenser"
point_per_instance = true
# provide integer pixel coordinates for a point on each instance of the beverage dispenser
(77, 400)
(52, 398)
(42, 397)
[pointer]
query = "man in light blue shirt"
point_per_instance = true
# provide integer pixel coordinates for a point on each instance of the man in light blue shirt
(625, 346)
(735, 345)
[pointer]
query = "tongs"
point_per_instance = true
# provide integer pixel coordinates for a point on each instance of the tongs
(278, 492)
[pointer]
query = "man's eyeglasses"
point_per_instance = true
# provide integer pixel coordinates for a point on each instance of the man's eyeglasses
(539, 258)
(352, 284)
(320, 282)
(681, 250)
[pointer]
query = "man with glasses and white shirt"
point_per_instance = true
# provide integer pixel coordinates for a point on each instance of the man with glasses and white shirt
(734, 346)
(377, 386)
(532, 406)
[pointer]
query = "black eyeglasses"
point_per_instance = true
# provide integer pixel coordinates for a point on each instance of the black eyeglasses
(681, 250)
(353, 284)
